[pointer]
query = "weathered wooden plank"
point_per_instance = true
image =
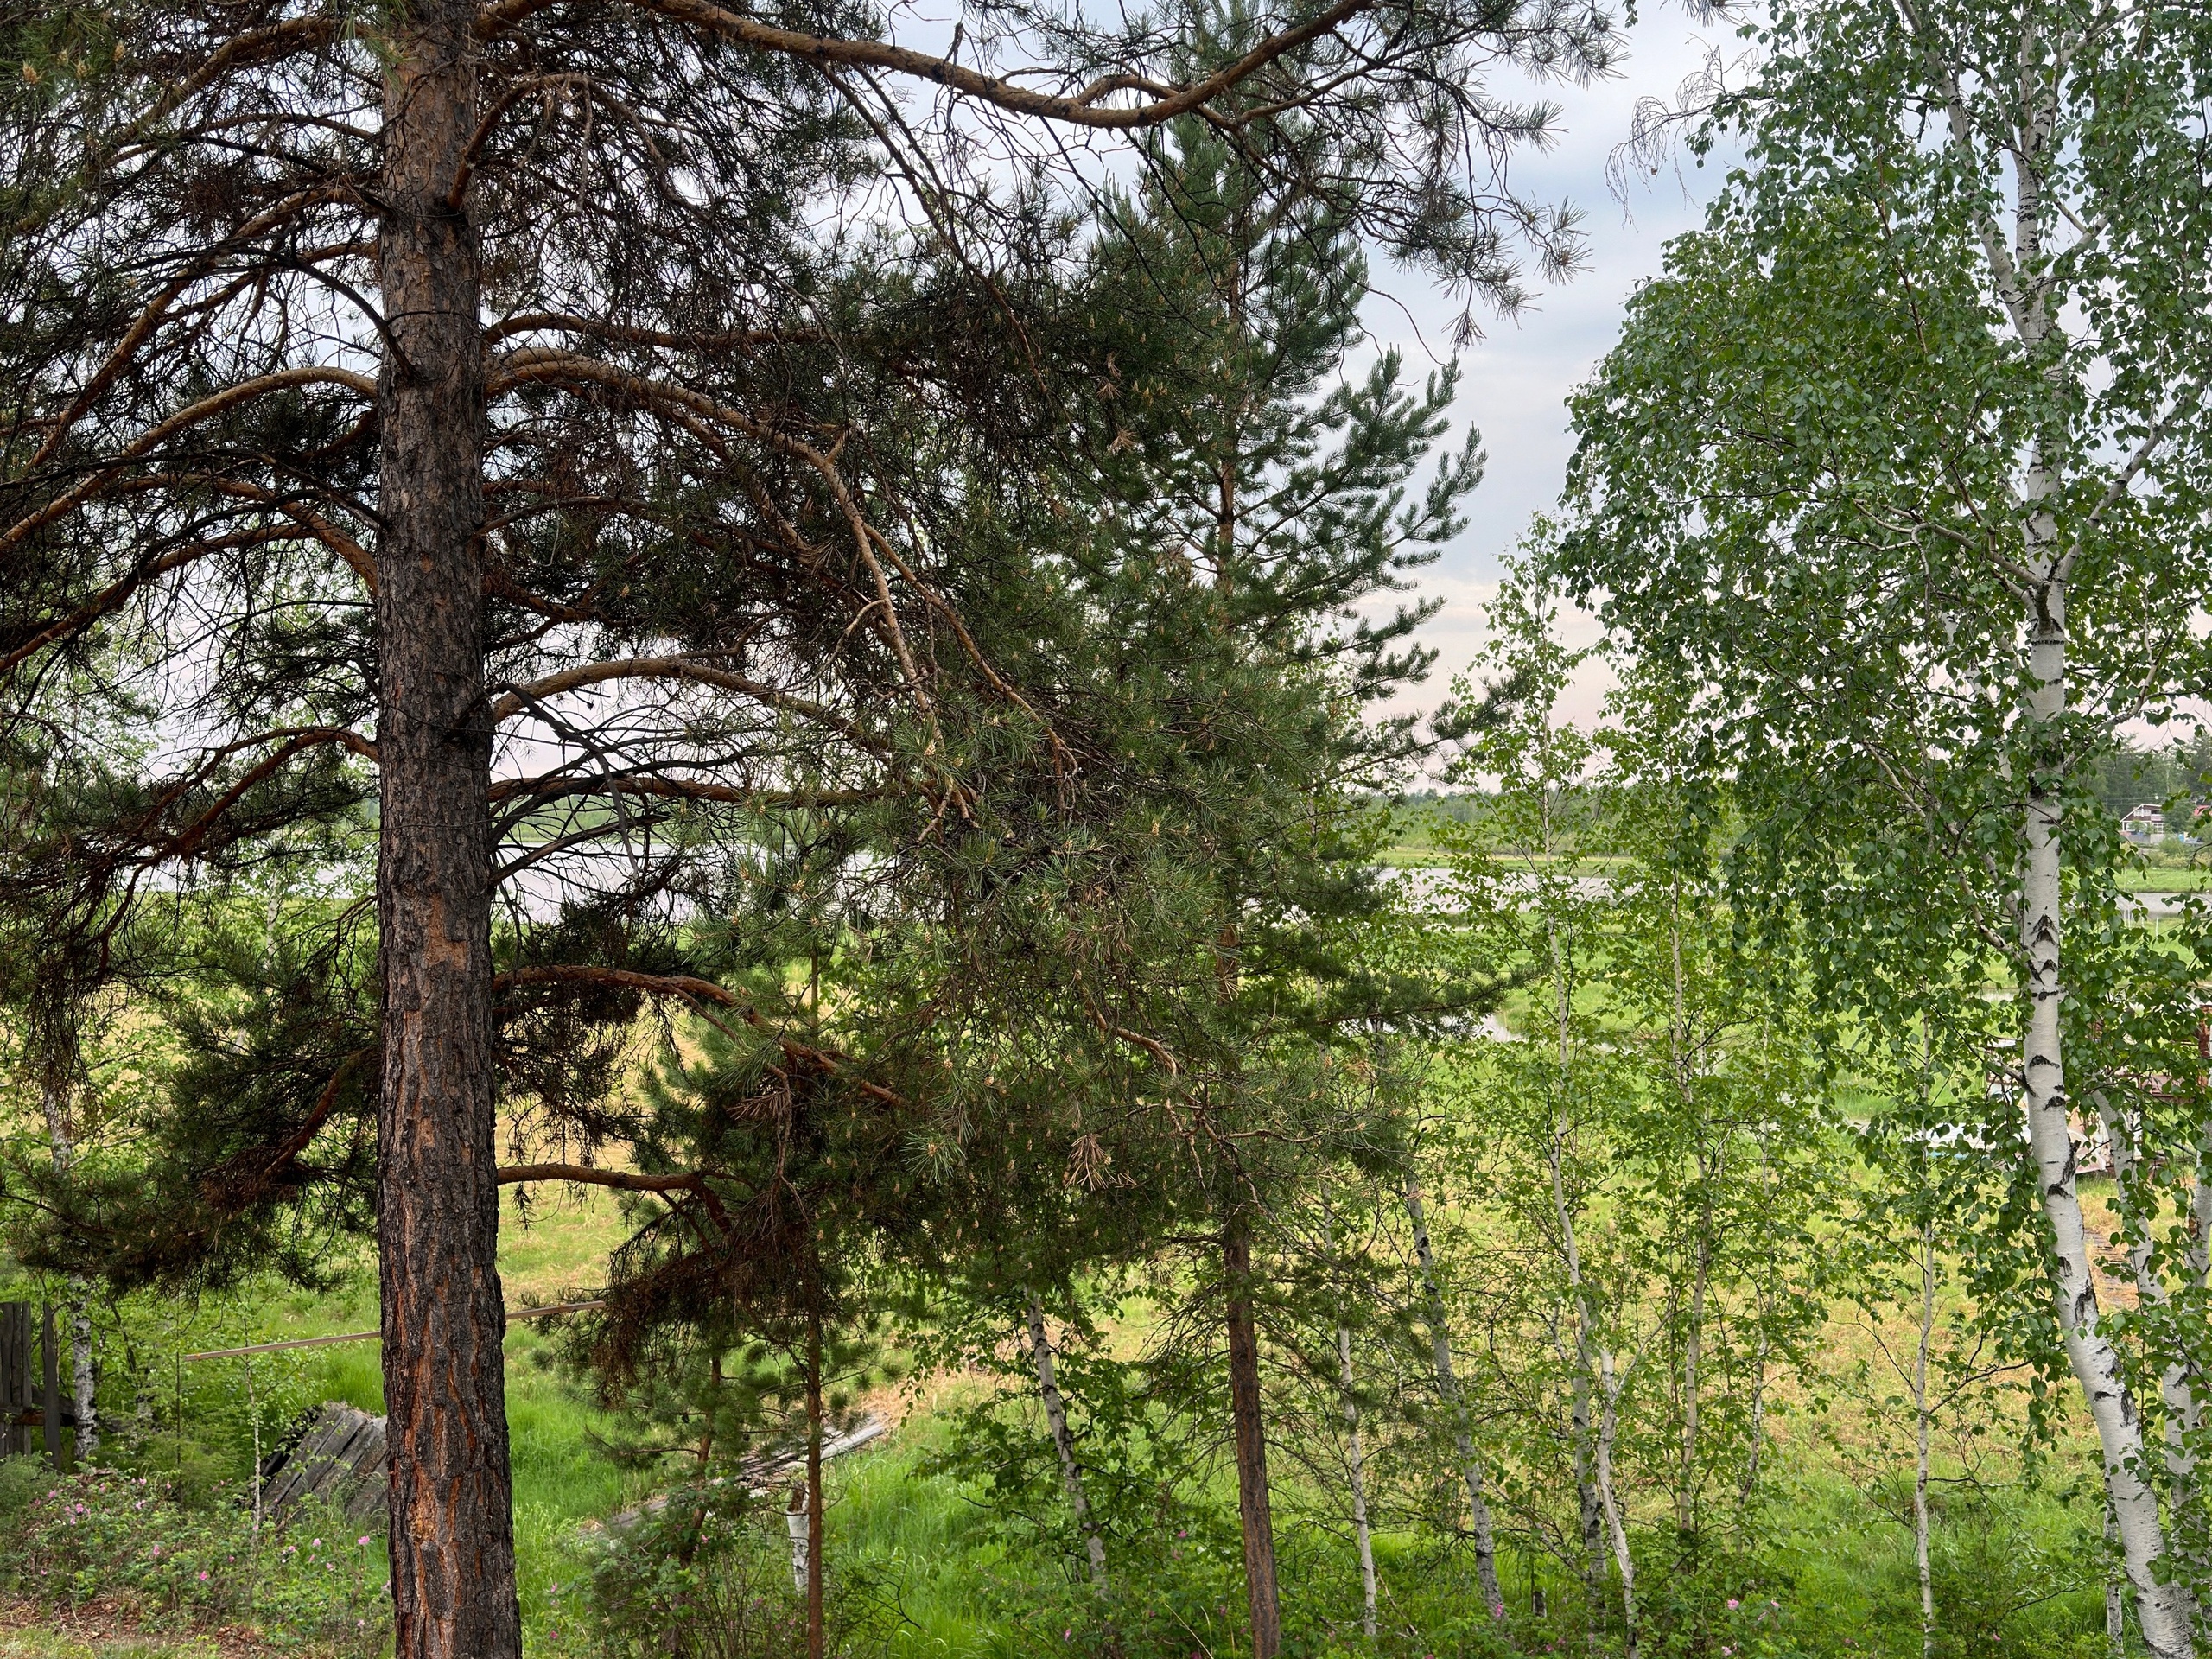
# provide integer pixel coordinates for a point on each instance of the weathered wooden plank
(305, 1462)
(759, 1474)
(340, 1460)
(15, 1375)
(50, 1391)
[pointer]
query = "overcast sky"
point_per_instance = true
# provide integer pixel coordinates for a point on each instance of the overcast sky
(1515, 380)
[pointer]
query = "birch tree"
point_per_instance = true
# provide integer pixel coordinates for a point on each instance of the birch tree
(1524, 880)
(1649, 1127)
(1056, 1420)
(1725, 1138)
(51, 984)
(1903, 461)
(58, 1063)
(1924, 1182)
(1344, 1329)
(1355, 1470)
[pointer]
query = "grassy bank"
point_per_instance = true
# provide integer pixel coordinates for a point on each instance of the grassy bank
(940, 1576)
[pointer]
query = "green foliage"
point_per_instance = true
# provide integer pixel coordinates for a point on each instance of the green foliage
(1054, 959)
(707, 1577)
(1639, 1162)
(1887, 486)
(1132, 1433)
(172, 1557)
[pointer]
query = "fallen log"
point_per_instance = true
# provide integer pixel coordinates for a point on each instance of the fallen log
(759, 1475)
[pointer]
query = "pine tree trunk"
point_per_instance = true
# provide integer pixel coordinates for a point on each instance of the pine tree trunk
(1056, 1417)
(1447, 1386)
(1358, 1474)
(452, 1578)
(1249, 1422)
(816, 1634)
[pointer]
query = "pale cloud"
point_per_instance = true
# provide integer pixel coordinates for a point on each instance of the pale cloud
(1515, 381)
(1459, 633)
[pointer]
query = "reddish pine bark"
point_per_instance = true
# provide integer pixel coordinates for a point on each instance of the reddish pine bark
(815, 1635)
(453, 1581)
(1260, 1589)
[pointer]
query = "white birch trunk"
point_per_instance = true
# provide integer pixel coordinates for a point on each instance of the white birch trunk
(58, 1064)
(1920, 1414)
(796, 1528)
(1590, 1512)
(2200, 1193)
(1358, 1486)
(1048, 1389)
(1686, 1506)
(1589, 1505)
(2162, 1610)
(1616, 1524)
(1759, 1410)
(2175, 1393)
(2115, 1597)
(2021, 274)
(1762, 1307)
(1447, 1386)
(1685, 1502)
(2187, 1515)
(84, 1382)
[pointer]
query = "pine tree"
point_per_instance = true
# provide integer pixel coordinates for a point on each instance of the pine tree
(463, 406)
(1272, 490)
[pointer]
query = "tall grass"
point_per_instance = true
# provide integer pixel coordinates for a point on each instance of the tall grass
(927, 1550)
(2017, 1573)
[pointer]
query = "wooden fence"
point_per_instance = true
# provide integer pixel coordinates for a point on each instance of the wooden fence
(30, 1385)
(32, 1411)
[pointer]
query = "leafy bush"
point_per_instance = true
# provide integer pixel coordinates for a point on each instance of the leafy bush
(134, 1539)
(709, 1577)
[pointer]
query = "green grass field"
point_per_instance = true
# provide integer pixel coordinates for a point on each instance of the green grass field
(1416, 852)
(948, 1583)
(2167, 878)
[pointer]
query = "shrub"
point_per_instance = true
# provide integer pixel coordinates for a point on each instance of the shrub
(709, 1577)
(134, 1539)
